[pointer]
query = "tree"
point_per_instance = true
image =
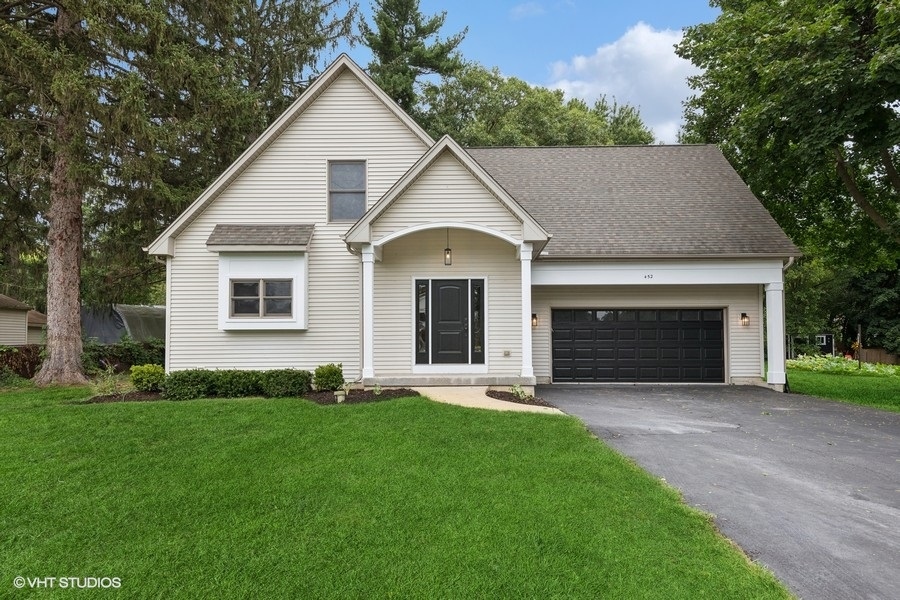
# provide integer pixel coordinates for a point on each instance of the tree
(402, 52)
(481, 107)
(129, 109)
(803, 97)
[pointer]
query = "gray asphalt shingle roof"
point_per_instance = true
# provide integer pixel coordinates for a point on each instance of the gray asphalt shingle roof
(647, 201)
(260, 235)
(8, 303)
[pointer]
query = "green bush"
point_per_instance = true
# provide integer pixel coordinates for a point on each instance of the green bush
(24, 361)
(234, 383)
(96, 356)
(329, 377)
(148, 378)
(189, 384)
(839, 364)
(10, 379)
(280, 383)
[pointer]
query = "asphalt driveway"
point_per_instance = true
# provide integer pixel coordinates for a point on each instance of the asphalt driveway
(807, 487)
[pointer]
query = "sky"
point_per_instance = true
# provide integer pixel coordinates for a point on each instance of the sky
(587, 48)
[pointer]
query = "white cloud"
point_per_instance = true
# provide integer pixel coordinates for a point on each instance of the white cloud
(640, 69)
(526, 9)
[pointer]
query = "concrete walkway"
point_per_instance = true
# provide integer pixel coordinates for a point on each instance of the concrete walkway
(808, 487)
(474, 397)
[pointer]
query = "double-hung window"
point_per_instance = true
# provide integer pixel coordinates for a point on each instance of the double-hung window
(346, 190)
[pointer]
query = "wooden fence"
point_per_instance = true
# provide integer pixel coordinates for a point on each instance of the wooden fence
(878, 355)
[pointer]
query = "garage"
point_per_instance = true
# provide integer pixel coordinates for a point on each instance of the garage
(684, 345)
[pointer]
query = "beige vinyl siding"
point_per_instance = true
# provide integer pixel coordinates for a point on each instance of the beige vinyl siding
(13, 327)
(288, 184)
(742, 344)
(35, 335)
(420, 256)
(447, 191)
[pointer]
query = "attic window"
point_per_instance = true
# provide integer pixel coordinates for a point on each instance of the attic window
(346, 190)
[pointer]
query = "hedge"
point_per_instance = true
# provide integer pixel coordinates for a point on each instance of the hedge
(234, 383)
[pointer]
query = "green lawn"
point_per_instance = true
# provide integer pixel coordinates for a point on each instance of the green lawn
(287, 499)
(868, 390)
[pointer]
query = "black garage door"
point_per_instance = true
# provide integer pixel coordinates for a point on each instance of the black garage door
(677, 345)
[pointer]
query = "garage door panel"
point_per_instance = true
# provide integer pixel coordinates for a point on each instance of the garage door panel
(667, 345)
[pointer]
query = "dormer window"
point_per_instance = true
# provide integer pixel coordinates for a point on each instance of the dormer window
(346, 190)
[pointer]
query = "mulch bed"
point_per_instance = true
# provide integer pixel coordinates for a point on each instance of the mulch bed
(133, 396)
(361, 396)
(354, 397)
(510, 397)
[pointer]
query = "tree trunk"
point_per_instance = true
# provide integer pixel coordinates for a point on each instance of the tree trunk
(63, 362)
(860, 198)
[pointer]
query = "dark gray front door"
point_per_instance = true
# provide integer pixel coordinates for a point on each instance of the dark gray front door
(450, 321)
(677, 345)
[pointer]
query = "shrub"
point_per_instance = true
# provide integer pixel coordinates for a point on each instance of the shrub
(24, 361)
(329, 377)
(10, 379)
(189, 384)
(234, 383)
(148, 378)
(281, 383)
(839, 364)
(122, 355)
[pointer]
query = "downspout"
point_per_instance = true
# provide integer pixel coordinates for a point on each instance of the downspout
(789, 263)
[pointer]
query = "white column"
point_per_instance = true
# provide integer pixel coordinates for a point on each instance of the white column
(775, 332)
(525, 260)
(368, 311)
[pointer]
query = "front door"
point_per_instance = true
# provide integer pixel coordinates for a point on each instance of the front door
(450, 321)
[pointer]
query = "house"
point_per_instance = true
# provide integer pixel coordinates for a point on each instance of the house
(13, 322)
(37, 325)
(346, 234)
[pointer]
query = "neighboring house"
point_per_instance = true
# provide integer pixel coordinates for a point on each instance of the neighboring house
(37, 326)
(346, 234)
(13, 322)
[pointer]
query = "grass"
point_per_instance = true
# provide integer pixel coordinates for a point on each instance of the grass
(867, 390)
(287, 499)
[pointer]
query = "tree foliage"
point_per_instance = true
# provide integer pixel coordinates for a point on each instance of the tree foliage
(804, 97)
(406, 46)
(117, 114)
(481, 107)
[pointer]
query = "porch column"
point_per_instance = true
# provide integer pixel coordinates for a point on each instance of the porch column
(368, 311)
(525, 260)
(775, 332)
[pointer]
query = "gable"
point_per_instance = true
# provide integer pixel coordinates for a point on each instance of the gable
(447, 186)
(342, 115)
(446, 191)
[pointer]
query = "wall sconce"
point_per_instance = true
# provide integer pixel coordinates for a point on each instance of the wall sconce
(534, 319)
(448, 253)
(745, 319)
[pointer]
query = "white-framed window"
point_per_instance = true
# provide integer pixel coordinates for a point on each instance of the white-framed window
(261, 297)
(262, 291)
(820, 340)
(346, 190)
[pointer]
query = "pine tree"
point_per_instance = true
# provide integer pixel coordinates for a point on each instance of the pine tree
(129, 108)
(400, 44)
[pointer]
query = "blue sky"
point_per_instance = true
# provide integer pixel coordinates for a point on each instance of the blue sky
(584, 47)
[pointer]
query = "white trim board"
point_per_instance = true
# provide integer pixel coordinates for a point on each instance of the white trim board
(680, 272)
